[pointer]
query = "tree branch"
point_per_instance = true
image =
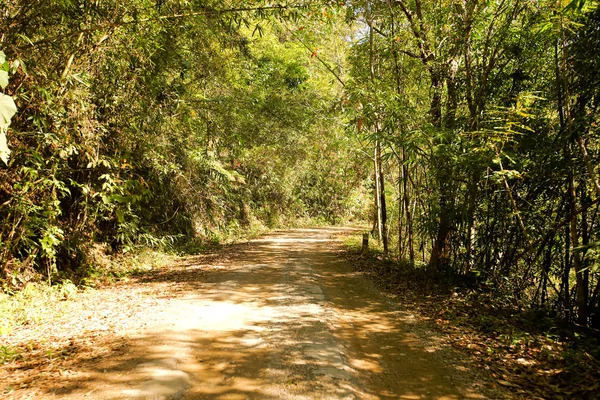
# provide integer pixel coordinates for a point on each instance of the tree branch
(314, 54)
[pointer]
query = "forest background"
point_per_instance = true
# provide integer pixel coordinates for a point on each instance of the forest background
(466, 132)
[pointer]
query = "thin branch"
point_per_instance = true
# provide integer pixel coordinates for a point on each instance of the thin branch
(513, 201)
(588, 164)
(315, 55)
(426, 54)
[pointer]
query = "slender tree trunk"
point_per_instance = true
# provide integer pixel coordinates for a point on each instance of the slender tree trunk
(470, 234)
(404, 201)
(440, 253)
(379, 198)
(585, 239)
(546, 266)
(565, 284)
(406, 196)
(577, 262)
(401, 208)
(378, 218)
(382, 203)
(567, 263)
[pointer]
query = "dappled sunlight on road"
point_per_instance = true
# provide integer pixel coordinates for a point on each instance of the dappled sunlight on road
(289, 240)
(284, 318)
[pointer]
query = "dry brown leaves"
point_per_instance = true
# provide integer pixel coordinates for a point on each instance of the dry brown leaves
(532, 363)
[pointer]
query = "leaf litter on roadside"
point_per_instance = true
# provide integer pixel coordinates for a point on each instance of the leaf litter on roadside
(531, 359)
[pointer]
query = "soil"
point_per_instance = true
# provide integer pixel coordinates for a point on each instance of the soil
(281, 317)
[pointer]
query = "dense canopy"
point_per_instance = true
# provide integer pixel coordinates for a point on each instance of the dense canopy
(464, 132)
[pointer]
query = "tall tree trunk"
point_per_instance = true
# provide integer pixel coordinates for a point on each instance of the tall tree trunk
(585, 239)
(383, 214)
(566, 119)
(406, 198)
(379, 198)
(581, 292)
(567, 264)
(401, 208)
(440, 252)
(378, 215)
(470, 217)
(404, 201)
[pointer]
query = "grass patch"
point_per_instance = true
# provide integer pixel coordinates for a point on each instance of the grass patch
(123, 266)
(38, 302)
(8, 354)
(33, 304)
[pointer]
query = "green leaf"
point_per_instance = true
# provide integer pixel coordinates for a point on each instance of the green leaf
(575, 5)
(3, 79)
(117, 198)
(2, 57)
(7, 110)
(14, 66)
(4, 150)
(120, 215)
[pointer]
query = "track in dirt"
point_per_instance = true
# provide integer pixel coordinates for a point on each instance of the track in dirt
(284, 317)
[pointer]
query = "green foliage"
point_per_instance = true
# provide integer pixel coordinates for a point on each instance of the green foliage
(33, 303)
(147, 123)
(7, 108)
(488, 120)
(8, 354)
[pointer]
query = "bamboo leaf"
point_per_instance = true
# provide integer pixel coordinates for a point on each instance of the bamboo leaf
(7, 110)
(4, 150)
(3, 79)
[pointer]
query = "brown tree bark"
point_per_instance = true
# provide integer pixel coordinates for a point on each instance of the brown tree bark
(581, 291)
(406, 198)
(377, 219)
(382, 201)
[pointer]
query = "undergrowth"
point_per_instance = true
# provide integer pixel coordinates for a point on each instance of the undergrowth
(33, 304)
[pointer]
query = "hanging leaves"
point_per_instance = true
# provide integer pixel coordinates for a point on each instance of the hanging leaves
(3, 71)
(7, 110)
(3, 79)
(4, 150)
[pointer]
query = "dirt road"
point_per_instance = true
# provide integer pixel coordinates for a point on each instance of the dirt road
(283, 317)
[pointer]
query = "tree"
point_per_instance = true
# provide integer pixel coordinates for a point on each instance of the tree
(150, 122)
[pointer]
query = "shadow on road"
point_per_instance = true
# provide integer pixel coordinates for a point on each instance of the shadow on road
(283, 317)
